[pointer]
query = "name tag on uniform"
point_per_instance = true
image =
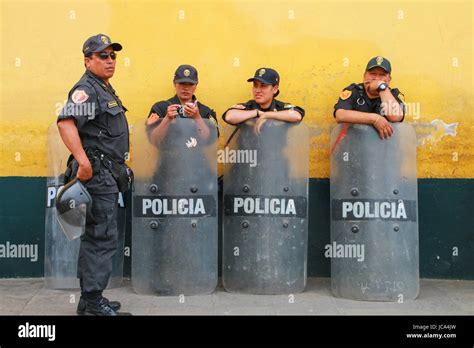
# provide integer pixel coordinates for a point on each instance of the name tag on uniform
(112, 104)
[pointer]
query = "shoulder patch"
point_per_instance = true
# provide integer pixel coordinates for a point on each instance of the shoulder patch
(79, 96)
(288, 106)
(238, 106)
(345, 94)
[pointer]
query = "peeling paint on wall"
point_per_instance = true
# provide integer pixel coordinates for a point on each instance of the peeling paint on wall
(433, 132)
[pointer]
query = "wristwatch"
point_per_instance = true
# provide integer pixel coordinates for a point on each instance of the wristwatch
(382, 87)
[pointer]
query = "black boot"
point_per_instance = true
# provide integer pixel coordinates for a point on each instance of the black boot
(99, 306)
(81, 306)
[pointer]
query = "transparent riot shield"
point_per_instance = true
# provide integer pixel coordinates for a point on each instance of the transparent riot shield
(60, 257)
(265, 209)
(174, 225)
(374, 223)
(60, 261)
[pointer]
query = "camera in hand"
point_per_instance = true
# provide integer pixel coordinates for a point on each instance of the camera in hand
(180, 111)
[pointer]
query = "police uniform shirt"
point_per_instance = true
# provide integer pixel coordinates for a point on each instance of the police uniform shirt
(99, 116)
(355, 98)
(276, 105)
(101, 123)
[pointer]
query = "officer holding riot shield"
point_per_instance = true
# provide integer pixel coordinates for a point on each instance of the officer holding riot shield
(265, 193)
(264, 106)
(373, 101)
(184, 105)
(374, 213)
(174, 226)
(94, 128)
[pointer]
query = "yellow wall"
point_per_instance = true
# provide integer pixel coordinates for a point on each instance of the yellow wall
(318, 48)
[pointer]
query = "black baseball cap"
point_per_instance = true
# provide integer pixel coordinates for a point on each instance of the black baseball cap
(98, 43)
(267, 76)
(186, 74)
(380, 62)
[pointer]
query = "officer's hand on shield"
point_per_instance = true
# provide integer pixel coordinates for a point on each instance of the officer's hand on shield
(259, 123)
(172, 111)
(383, 127)
(84, 173)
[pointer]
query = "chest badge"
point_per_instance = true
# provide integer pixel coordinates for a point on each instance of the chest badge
(345, 94)
(112, 104)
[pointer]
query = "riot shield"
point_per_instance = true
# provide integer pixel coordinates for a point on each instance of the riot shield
(374, 224)
(61, 254)
(60, 257)
(265, 209)
(174, 225)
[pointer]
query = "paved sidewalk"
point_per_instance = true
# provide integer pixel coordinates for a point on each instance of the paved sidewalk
(437, 297)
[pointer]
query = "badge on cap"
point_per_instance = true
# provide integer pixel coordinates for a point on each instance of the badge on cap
(186, 72)
(345, 94)
(79, 96)
(261, 72)
(104, 39)
(379, 60)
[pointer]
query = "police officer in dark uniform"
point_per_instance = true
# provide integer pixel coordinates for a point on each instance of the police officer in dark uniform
(264, 106)
(373, 101)
(94, 128)
(183, 104)
(254, 113)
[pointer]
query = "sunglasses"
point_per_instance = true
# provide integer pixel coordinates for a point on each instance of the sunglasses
(105, 55)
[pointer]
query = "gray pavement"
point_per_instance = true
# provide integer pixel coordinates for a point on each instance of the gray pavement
(437, 297)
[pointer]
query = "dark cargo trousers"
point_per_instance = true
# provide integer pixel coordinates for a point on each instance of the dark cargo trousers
(99, 243)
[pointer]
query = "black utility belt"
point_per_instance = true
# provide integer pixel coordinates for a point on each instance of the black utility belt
(122, 173)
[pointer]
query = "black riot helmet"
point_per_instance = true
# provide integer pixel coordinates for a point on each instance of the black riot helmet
(73, 205)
